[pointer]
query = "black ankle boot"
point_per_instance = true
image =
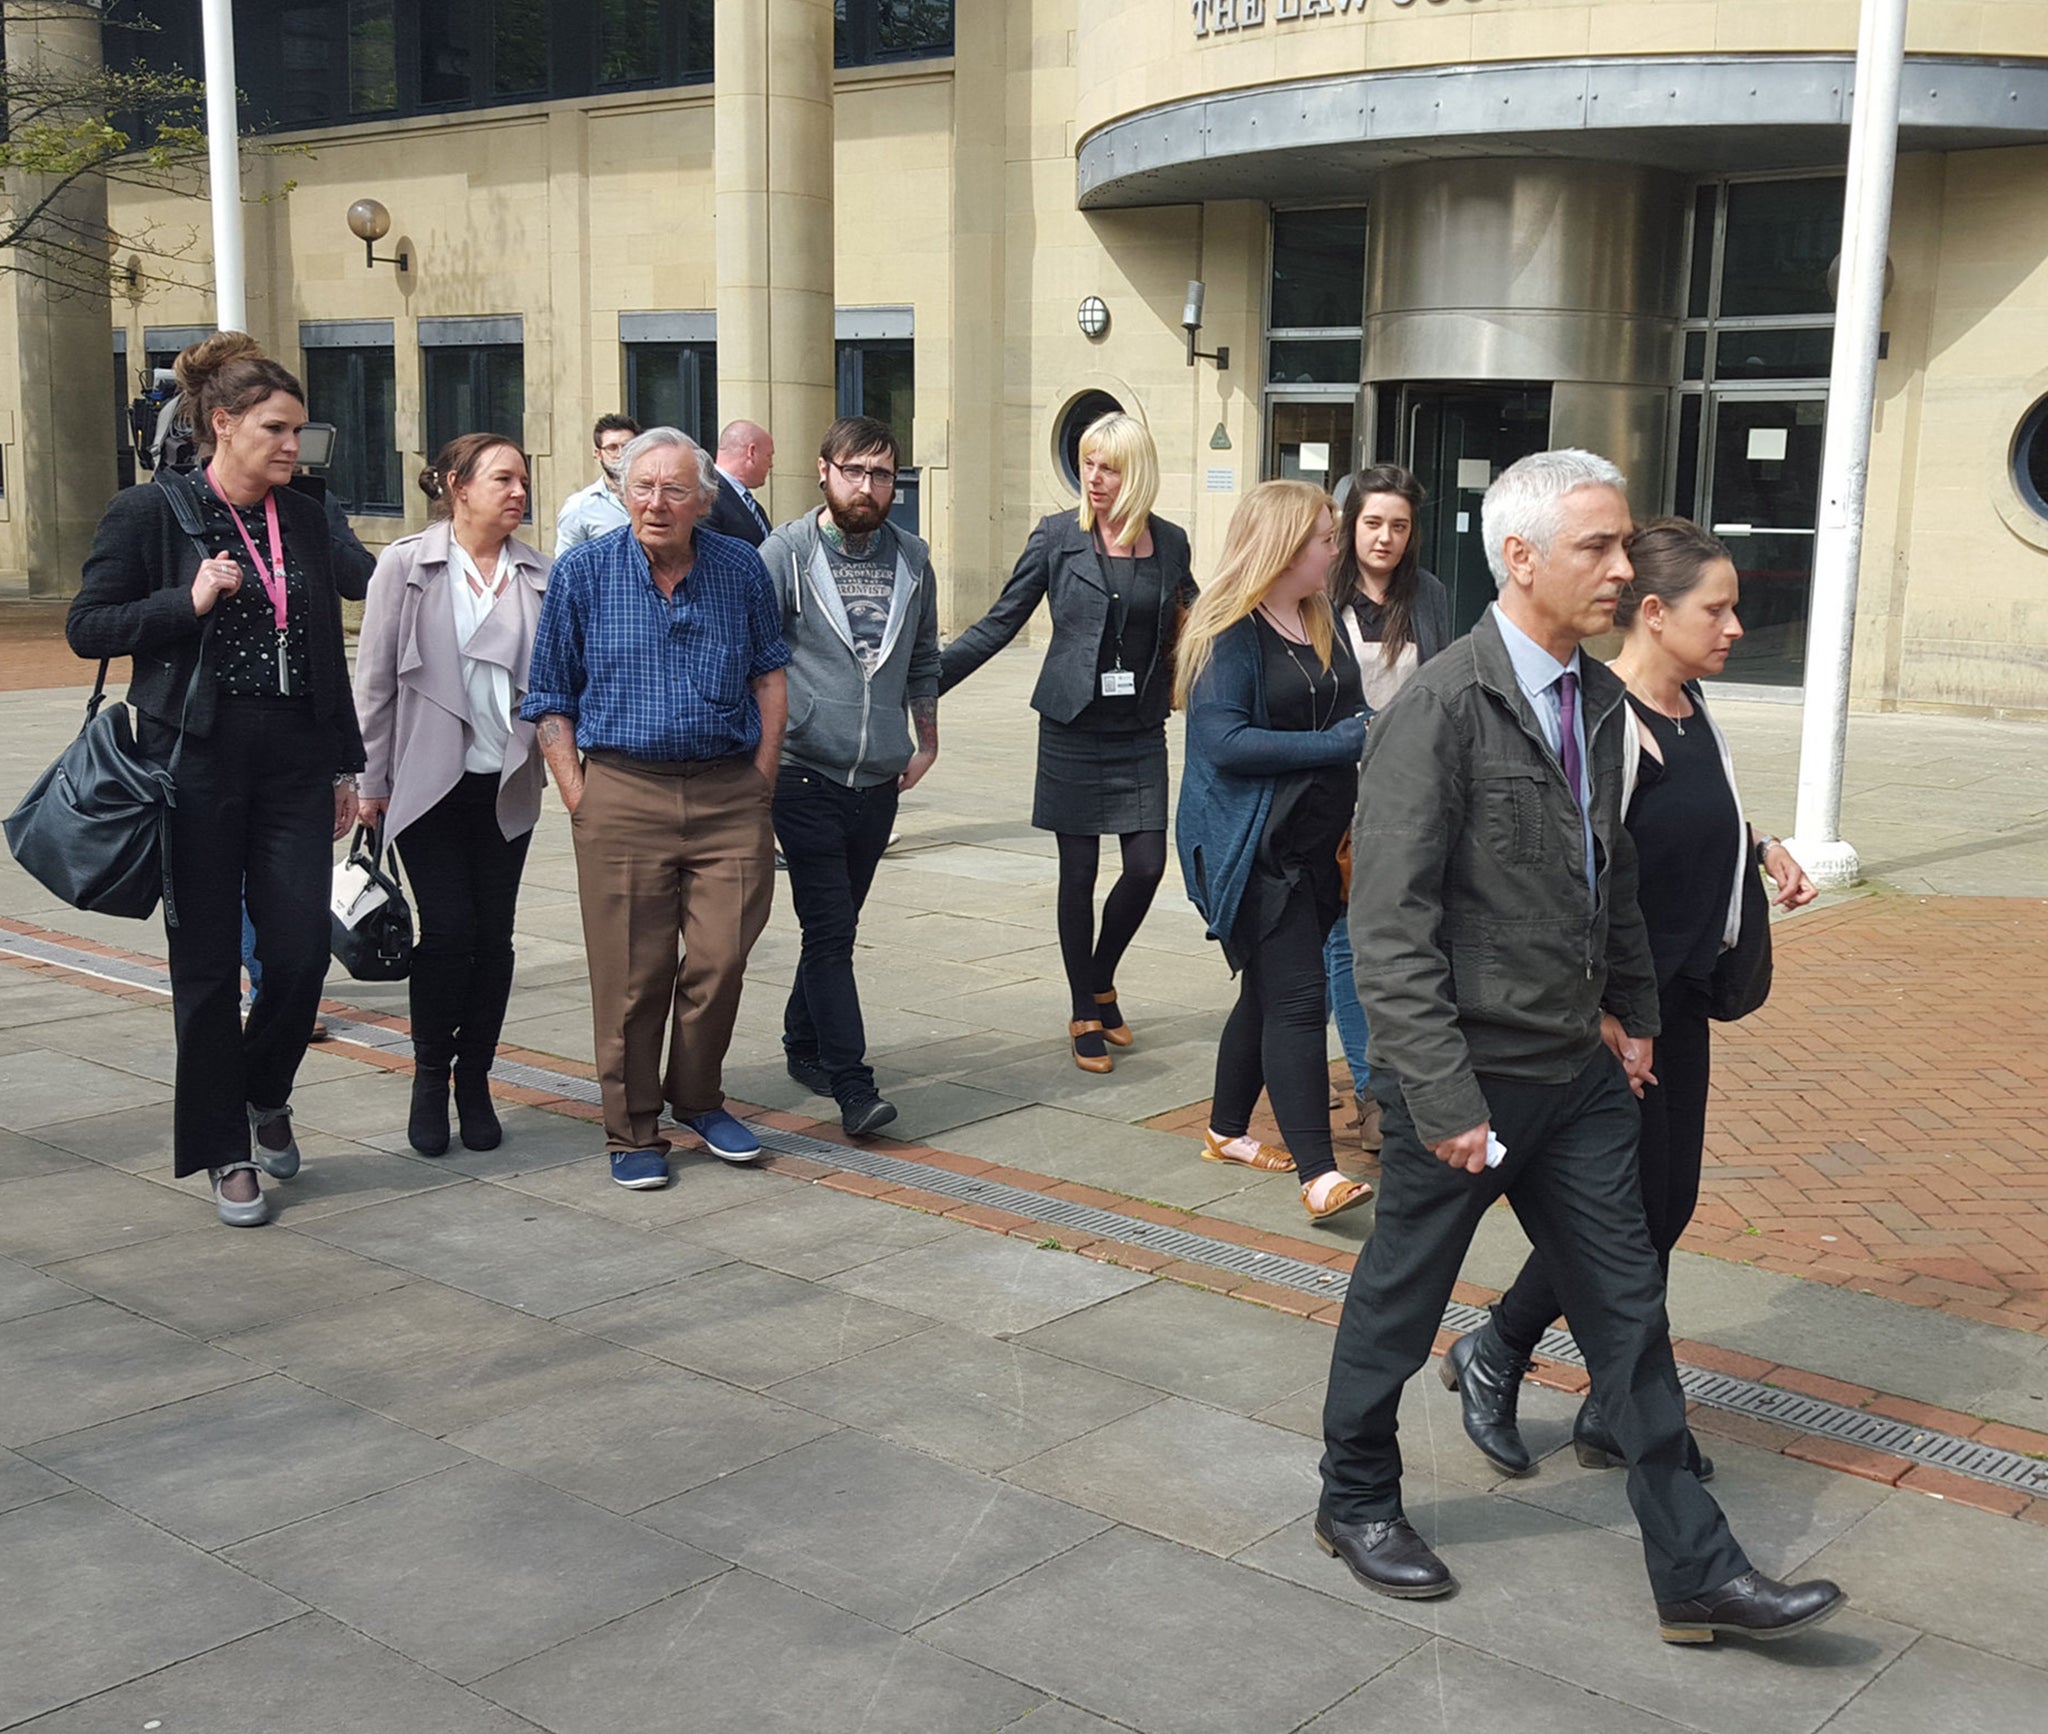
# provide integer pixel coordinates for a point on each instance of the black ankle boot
(1487, 1376)
(1595, 1446)
(427, 1130)
(473, 1106)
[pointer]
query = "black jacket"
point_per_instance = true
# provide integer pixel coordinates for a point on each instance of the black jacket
(1478, 949)
(730, 516)
(136, 600)
(1058, 564)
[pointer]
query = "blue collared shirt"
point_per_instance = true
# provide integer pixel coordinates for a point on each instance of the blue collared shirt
(587, 514)
(653, 676)
(1537, 673)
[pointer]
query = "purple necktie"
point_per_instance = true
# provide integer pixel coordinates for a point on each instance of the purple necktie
(1568, 735)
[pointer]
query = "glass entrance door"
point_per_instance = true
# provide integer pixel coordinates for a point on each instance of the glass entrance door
(1457, 438)
(1311, 440)
(1763, 500)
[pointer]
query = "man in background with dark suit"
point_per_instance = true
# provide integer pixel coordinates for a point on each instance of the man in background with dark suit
(745, 455)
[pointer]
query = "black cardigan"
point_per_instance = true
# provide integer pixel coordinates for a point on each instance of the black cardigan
(135, 600)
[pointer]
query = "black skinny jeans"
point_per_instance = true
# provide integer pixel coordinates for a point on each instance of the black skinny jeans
(256, 811)
(832, 838)
(1668, 1156)
(465, 888)
(1274, 1038)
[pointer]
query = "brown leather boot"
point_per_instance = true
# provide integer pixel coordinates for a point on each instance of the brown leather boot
(1366, 1123)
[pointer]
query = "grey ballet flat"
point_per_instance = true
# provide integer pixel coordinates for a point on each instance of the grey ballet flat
(279, 1164)
(250, 1214)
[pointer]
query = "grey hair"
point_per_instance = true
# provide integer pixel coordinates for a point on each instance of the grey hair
(664, 439)
(1527, 498)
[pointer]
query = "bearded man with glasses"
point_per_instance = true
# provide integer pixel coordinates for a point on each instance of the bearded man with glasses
(659, 701)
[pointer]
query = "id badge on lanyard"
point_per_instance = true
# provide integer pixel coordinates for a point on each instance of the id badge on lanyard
(272, 575)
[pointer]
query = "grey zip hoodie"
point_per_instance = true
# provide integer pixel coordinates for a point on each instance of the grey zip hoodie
(846, 722)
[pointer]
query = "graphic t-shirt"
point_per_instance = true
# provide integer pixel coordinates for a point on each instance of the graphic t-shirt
(867, 585)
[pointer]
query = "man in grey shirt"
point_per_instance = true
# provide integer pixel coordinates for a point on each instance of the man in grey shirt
(597, 510)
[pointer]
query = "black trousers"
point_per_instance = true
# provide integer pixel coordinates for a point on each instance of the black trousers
(832, 838)
(465, 887)
(1570, 1175)
(1273, 1039)
(255, 818)
(1674, 1136)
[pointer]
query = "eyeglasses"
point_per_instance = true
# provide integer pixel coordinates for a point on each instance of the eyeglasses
(671, 493)
(862, 476)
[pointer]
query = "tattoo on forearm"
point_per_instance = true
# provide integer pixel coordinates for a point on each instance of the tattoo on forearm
(548, 731)
(924, 716)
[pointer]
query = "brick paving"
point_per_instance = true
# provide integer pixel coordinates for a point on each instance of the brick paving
(33, 653)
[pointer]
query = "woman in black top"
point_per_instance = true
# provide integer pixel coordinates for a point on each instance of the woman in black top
(1117, 581)
(1694, 850)
(270, 747)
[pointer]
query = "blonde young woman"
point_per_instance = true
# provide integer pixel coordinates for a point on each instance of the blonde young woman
(1275, 735)
(1117, 582)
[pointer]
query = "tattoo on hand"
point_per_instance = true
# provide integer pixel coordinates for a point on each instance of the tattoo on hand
(924, 715)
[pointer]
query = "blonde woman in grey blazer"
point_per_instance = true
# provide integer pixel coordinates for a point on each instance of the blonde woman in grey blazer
(454, 776)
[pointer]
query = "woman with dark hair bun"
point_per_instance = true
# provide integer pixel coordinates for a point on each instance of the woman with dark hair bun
(239, 667)
(1397, 616)
(454, 776)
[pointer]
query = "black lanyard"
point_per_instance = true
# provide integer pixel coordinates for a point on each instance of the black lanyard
(1119, 603)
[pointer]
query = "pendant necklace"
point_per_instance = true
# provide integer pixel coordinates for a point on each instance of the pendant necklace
(1317, 721)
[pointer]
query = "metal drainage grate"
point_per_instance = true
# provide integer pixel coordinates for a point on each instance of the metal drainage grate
(1791, 1409)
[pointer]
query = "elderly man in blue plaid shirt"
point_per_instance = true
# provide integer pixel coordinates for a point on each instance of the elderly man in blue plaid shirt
(658, 697)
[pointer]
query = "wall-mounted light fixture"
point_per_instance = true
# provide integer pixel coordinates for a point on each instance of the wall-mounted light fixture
(1093, 317)
(1191, 323)
(370, 222)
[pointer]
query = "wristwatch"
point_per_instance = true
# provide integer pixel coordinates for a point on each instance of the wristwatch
(1764, 845)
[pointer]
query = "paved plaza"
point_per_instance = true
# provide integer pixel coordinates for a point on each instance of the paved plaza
(486, 1443)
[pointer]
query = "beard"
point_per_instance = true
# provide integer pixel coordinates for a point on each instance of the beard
(611, 468)
(860, 516)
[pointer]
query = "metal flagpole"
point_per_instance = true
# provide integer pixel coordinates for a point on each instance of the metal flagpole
(1845, 459)
(224, 167)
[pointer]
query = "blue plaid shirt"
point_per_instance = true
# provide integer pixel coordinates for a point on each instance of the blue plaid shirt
(656, 677)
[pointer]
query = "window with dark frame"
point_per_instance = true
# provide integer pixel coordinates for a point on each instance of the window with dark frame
(356, 388)
(474, 388)
(674, 385)
(878, 378)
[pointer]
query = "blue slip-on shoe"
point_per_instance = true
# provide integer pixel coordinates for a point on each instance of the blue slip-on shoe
(640, 1170)
(725, 1136)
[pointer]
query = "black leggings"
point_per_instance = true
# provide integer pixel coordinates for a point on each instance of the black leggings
(1091, 959)
(1668, 1156)
(1274, 1038)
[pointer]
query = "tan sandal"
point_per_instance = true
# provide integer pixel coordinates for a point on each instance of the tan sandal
(1121, 1036)
(1097, 1063)
(1269, 1157)
(1328, 1194)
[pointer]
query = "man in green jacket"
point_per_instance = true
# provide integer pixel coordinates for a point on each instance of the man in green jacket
(1494, 918)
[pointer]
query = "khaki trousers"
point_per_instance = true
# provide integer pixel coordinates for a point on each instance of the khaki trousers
(660, 859)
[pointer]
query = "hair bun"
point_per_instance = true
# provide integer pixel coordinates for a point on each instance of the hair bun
(199, 362)
(431, 484)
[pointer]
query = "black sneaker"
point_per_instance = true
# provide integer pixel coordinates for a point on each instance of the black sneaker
(807, 1072)
(865, 1114)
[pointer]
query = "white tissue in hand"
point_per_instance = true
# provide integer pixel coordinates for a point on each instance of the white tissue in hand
(1495, 1150)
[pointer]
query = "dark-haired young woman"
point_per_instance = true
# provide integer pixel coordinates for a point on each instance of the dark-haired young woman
(270, 747)
(1397, 616)
(455, 777)
(1694, 852)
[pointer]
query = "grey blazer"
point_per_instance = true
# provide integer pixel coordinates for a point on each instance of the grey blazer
(409, 691)
(1058, 564)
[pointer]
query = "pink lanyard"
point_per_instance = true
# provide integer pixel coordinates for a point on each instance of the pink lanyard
(273, 574)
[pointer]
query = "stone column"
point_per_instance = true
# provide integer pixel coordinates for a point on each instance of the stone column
(60, 470)
(772, 131)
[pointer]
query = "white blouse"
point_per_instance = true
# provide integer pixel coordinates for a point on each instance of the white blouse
(487, 684)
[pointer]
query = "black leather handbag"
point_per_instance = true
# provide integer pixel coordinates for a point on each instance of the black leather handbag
(369, 920)
(1741, 981)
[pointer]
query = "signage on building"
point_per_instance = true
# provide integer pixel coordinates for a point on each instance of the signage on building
(1222, 17)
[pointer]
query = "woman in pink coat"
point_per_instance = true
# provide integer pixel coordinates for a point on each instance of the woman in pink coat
(454, 776)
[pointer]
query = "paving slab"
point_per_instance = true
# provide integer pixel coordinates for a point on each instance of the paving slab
(534, 1139)
(519, 1251)
(747, 1326)
(28, 1003)
(339, 1682)
(83, 1364)
(1175, 1338)
(646, 1434)
(968, 1398)
(982, 1282)
(1133, 1160)
(701, 1185)
(25, 1290)
(405, 1567)
(1447, 1685)
(1056, 1718)
(430, 1357)
(211, 1283)
(1554, 1596)
(88, 1209)
(40, 1086)
(1940, 1685)
(219, 1468)
(815, 1231)
(1906, 1560)
(23, 1157)
(23, 1482)
(92, 1598)
(1193, 1474)
(1107, 1627)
